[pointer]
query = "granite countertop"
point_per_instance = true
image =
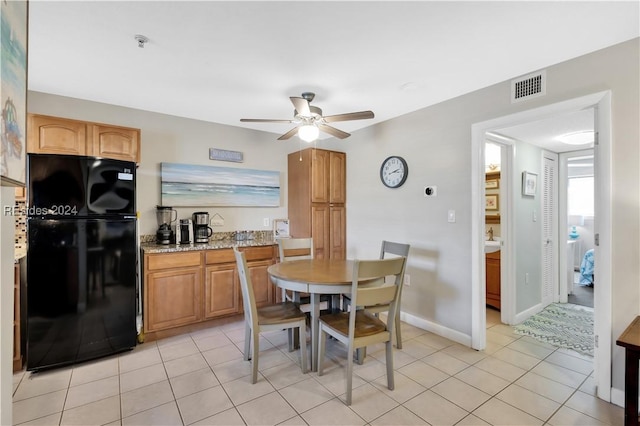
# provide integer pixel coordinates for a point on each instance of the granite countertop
(150, 248)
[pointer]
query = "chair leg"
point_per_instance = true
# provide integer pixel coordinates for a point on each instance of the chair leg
(361, 354)
(389, 361)
(302, 333)
(398, 332)
(247, 342)
(322, 338)
(256, 350)
(349, 375)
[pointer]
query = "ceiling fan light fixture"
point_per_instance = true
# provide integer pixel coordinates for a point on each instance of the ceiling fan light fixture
(308, 133)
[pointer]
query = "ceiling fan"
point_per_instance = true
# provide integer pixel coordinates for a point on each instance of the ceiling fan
(310, 121)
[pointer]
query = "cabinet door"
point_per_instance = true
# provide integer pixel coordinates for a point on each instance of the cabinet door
(320, 227)
(493, 279)
(320, 172)
(52, 135)
(337, 177)
(263, 289)
(121, 143)
(221, 291)
(173, 298)
(337, 231)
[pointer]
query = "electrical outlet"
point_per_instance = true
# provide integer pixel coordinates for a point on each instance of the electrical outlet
(526, 278)
(407, 280)
(265, 222)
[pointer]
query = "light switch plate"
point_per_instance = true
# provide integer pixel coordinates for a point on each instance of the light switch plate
(451, 216)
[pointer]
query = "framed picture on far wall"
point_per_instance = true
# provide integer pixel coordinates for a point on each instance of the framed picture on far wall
(281, 228)
(529, 183)
(491, 202)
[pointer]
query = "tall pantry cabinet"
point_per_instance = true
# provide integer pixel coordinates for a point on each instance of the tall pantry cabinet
(317, 197)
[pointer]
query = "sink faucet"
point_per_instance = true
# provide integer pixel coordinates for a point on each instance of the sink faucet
(490, 232)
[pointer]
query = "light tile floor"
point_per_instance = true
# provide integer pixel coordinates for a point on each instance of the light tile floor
(201, 379)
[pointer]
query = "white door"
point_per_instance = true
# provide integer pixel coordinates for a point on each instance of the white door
(549, 228)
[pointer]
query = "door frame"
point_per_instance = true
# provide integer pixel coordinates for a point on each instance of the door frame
(601, 101)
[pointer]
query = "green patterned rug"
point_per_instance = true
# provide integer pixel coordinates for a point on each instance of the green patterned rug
(562, 324)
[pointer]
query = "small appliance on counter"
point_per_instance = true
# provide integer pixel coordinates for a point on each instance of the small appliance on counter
(166, 217)
(186, 231)
(201, 229)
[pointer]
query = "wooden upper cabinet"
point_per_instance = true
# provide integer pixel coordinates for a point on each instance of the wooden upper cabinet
(317, 198)
(337, 177)
(121, 143)
(320, 172)
(53, 135)
(328, 176)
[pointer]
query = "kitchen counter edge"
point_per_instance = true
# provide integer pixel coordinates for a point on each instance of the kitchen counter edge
(151, 248)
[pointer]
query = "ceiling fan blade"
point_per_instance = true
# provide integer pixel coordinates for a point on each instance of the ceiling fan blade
(288, 134)
(264, 120)
(333, 131)
(361, 115)
(301, 105)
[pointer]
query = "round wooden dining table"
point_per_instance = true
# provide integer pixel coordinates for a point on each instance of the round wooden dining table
(316, 277)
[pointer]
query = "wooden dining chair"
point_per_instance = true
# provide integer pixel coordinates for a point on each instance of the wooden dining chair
(298, 249)
(388, 248)
(359, 328)
(267, 318)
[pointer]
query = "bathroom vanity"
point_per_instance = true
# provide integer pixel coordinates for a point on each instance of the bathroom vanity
(492, 271)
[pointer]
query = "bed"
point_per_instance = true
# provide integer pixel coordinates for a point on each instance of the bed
(587, 269)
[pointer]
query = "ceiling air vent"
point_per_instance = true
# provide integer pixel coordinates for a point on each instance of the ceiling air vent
(529, 86)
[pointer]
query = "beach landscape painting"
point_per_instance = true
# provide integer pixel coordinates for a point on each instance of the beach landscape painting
(190, 185)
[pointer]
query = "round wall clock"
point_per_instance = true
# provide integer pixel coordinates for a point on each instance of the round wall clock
(394, 171)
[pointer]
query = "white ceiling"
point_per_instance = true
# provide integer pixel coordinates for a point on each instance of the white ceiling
(222, 61)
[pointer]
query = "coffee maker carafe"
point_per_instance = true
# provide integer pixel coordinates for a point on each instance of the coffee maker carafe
(201, 229)
(166, 216)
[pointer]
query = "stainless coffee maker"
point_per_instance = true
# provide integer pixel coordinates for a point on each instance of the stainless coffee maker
(166, 216)
(201, 229)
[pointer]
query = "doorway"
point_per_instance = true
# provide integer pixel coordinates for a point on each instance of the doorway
(578, 197)
(601, 103)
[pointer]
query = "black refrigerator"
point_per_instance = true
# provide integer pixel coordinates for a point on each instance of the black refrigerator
(81, 259)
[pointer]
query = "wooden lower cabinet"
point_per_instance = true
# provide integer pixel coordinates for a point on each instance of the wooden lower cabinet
(173, 298)
(492, 272)
(263, 289)
(221, 291)
(17, 353)
(185, 288)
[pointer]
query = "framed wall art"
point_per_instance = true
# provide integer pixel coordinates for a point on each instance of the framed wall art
(281, 228)
(190, 185)
(13, 102)
(529, 183)
(491, 202)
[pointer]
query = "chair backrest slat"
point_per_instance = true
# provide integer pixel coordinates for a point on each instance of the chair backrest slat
(248, 298)
(295, 248)
(380, 294)
(397, 249)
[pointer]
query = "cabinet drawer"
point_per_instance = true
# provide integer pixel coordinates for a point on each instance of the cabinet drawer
(220, 256)
(258, 253)
(172, 260)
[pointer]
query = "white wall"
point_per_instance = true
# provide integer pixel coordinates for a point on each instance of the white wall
(436, 143)
(7, 241)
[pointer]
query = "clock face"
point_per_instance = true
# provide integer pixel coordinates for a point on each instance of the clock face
(394, 172)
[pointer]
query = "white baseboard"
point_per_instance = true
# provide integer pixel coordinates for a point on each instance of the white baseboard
(527, 313)
(438, 329)
(617, 397)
